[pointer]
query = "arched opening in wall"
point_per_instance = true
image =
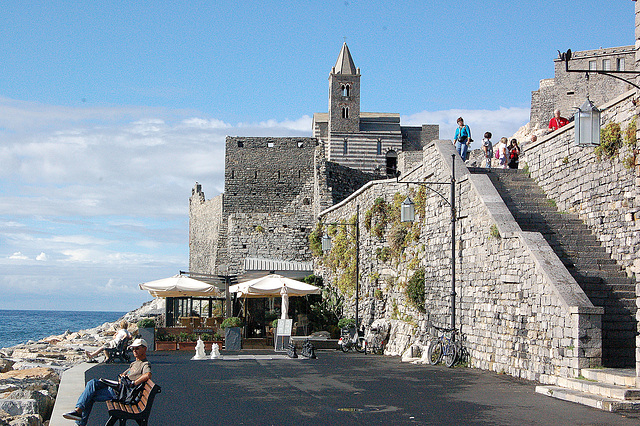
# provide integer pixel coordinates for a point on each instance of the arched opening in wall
(344, 147)
(345, 112)
(392, 163)
(379, 147)
(346, 90)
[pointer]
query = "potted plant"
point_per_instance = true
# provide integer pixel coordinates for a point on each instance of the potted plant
(232, 335)
(146, 330)
(166, 342)
(187, 341)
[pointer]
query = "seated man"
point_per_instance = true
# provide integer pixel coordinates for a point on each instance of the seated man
(122, 334)
(557, 121)
(139, 371)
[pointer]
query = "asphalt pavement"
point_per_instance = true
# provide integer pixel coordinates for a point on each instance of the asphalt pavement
(248, 388)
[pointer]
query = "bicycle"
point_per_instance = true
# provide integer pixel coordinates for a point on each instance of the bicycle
(444, 347)
(374, 342)
(350, 341)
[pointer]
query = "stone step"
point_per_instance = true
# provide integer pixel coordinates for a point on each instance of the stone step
(584, 398)
(595, 387)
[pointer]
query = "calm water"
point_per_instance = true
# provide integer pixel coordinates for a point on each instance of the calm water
(21, 326)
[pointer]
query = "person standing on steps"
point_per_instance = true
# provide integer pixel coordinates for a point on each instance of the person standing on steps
(502, 152)
(557, 121)
(513, 152)
(461, 138)
(487, 148)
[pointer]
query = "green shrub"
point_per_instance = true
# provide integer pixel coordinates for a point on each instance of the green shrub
(377, 293)
(630, 134)
(146, 323)
(610, 141)
(416, 291)
(346, 322)
(231, 322)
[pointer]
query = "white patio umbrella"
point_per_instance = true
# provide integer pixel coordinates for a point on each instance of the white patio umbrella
(180, 286)
(271, 285)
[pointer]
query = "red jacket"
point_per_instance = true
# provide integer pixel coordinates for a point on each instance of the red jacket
(556, 123)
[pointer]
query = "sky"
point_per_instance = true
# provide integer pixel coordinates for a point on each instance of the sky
(110, 111)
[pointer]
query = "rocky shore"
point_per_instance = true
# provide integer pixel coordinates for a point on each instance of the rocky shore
(30, 373)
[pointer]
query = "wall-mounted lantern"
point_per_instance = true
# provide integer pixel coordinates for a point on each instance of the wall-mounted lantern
(407, 211)
(587, 124)
(326, 243)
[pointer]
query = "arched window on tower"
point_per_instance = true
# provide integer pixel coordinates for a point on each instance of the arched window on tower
(346, 90)
(344, 147)
(379, 150)
(345, 112)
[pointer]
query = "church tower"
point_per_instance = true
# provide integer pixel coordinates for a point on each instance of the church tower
(344, 94)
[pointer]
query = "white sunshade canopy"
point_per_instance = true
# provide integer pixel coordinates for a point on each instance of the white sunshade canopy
(180, 286)
(272, 285)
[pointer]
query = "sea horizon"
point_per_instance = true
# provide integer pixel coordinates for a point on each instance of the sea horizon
(18, 326)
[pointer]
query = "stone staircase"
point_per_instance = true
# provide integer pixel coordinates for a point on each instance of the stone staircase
(601, 278)
(605, 389)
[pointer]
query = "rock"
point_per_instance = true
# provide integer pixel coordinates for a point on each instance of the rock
(18, 407)
(32, 373)
(44, 402)
(5, 365)
(29, 420)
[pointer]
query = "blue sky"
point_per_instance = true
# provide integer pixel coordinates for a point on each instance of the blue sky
(110, 111)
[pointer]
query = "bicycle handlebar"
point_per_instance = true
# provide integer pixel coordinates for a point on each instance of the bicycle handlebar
(445, 330)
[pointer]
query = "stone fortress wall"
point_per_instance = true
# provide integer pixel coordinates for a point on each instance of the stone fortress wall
(568, 91)
(519, 309)
(602, 192)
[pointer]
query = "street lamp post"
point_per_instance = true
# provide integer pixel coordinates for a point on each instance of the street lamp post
(326, 246)
(407, 214)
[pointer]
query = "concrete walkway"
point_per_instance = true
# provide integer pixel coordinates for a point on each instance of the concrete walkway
(264, 388)
(71, 385)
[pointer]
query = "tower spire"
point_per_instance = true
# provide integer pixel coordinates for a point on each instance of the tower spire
(344, 64)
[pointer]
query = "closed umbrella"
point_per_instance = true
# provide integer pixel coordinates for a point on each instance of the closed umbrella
(285, 302)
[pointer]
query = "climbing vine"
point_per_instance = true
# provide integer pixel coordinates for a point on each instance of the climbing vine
(610, 141)
(415, 290)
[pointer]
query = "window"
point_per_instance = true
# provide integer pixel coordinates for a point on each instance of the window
(379, 150)
(346, 90)
(270, 144)
(606, 64)
(233, 175)
(345, 112)
(300, 144)
(592, 65)
(240, 144)
(620, 64)
(344, 147)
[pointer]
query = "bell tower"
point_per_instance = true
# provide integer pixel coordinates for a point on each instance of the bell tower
(344, 95)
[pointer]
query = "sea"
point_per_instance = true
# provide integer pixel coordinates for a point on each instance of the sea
(18, 326)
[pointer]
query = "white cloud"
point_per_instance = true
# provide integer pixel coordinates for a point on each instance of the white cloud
(102, 193)
(18, 256)
(500, 122)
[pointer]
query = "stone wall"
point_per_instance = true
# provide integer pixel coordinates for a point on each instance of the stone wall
(264, 174)
(519, 309)
(205, 222)
(603, 192)
(567, 91)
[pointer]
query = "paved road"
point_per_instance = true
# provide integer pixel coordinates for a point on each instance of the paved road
(344, 389)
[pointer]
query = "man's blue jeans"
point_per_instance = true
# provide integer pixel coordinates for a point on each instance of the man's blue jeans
(94, 391)
(462, 150)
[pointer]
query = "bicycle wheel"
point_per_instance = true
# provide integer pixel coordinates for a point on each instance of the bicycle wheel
(435, 352)
(450, 354)
(361, 345)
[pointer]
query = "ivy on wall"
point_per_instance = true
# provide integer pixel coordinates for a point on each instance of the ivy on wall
(415, 290)
(610, 141)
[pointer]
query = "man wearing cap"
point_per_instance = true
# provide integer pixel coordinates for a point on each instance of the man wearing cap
(139, 371)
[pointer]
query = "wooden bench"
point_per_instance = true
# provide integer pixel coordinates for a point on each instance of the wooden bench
(138, 412)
